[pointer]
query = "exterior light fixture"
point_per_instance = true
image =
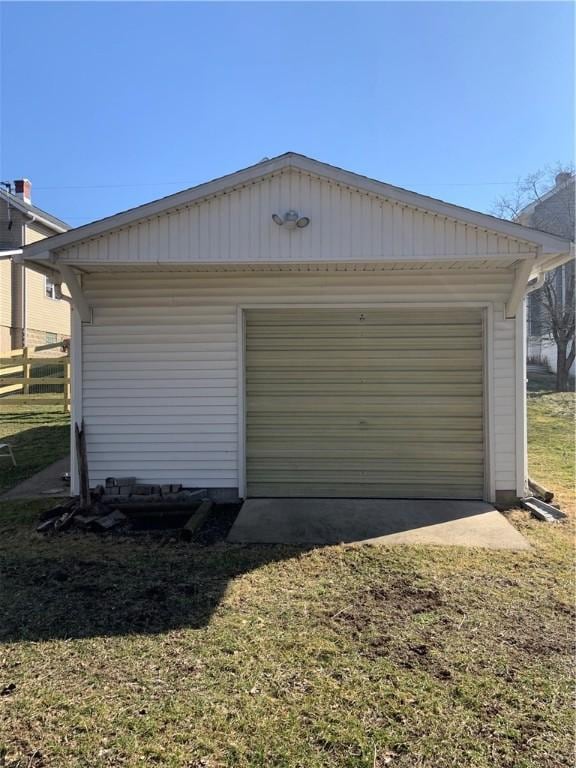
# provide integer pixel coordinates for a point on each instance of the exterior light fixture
(290, 220)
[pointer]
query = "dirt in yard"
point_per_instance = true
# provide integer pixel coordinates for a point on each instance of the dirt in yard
(410, 623)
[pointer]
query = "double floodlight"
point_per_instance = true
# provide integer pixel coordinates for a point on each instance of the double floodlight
(291, 220)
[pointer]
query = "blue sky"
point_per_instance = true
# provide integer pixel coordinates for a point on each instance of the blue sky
(109, 105)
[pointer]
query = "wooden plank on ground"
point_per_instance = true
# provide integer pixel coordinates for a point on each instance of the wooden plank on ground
(196, 520)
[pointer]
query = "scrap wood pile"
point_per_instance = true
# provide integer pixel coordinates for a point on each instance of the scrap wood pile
(541, 505)
(122, 504)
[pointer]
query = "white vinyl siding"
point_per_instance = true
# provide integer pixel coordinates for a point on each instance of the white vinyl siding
(345, 225)
(364, 403)
(161, 361)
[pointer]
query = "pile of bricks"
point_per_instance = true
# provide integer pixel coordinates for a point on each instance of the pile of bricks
(117, 503)
(125, 490)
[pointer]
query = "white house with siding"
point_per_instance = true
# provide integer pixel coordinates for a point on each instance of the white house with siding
(374, 349)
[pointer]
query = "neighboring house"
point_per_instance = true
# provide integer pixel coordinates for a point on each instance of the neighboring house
(30, 312)
(294, 329)
(554, 213)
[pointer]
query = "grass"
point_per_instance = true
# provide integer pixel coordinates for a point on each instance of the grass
(126, 653)
(38, 434)
(551, 439)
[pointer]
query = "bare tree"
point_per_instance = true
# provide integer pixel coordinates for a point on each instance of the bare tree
(558, 322)
(556, 297)
(531, 189)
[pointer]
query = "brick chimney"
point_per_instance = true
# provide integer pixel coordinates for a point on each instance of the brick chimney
(562, 178)
(23, 190)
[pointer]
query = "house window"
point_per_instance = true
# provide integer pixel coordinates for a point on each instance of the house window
(51, 338)
(50, 289)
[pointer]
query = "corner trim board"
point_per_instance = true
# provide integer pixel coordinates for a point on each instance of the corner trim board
(76, 395)
(488, 403)
(520, 401)
(241, 374)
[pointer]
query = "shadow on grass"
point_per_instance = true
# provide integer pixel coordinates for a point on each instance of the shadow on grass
(34, 449)
(81, 586)
(75, 585)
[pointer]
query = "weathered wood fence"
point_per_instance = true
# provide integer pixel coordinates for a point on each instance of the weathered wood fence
(33, 376)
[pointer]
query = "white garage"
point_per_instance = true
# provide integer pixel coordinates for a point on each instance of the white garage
(297, 330)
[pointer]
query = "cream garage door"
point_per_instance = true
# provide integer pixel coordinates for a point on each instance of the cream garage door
(374, 403)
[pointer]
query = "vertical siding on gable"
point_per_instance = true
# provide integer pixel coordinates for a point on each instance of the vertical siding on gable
(345, 224)
(160, 378)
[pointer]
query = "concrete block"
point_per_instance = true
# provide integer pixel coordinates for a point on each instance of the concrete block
(110, 482)
(125, 490)
(145, 490)
(125, 481)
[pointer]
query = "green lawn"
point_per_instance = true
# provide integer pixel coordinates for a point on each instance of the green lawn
(551, 440)
(142, 653)
(38, 434)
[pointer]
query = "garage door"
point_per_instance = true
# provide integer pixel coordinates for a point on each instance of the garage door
(374, 403)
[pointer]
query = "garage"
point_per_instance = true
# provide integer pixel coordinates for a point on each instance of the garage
(368, 402)
(297, 330)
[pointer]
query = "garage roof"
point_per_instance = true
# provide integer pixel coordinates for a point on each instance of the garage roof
(550, 244)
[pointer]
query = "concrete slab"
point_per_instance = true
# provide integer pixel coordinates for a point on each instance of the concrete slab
(47, 482)
(375, 521)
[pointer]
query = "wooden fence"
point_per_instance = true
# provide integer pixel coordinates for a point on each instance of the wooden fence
(31, 376)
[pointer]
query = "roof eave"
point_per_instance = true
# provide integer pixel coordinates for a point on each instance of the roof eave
(36, 214)
(550, 244)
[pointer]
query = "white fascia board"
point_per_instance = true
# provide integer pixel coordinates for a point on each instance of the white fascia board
(549, 243)
(43, 267)
(546, 265)
(40, 255)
